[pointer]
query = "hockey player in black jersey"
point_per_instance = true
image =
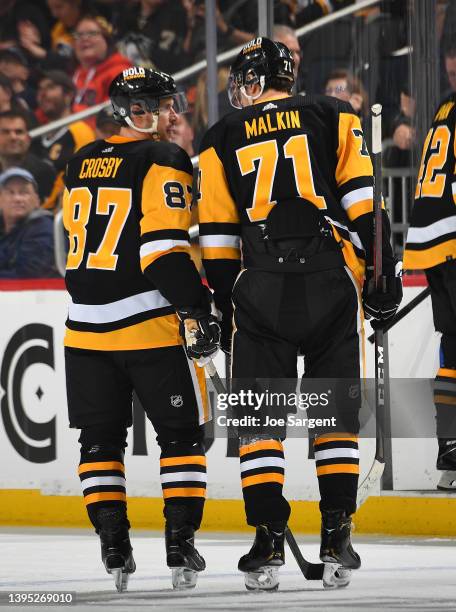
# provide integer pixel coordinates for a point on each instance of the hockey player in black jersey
(134, 292)
(291, 177)
(431, 246)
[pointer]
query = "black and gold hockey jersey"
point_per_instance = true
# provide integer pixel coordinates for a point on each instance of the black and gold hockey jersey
(127, 213)
(302, 146)
(431, 238)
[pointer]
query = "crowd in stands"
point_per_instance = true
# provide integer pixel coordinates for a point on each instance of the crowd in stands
(59, 56)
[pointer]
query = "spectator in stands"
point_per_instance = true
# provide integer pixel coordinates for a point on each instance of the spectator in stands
(343, 85)
(6, 94)
(310, 10)
(15, 15)
(450, 66)
(27, 241)
(61, 51)
(55, 100)
(152, 34)
(14, 65)
(182, 133)
(15, 151)
(229, 33)
(99, 62)
(404, 151)
(200, 112)
(105, 125)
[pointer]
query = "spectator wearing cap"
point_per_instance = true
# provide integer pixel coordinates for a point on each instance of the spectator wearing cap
(15, 151)
(99, 63)
(55, 100)
(27, 241)
(105, 125)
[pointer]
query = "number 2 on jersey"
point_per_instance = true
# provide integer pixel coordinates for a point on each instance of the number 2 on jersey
(267, 154)
(431, 184)
(115, 202)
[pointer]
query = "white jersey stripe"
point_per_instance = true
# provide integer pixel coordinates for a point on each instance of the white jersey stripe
(220, 240)
(102, 481)
(252, 464)
(357, 195)
(335, 453)
(115, 311)
(154, 246)
(183, 476)
(354, 237)
(420, 235)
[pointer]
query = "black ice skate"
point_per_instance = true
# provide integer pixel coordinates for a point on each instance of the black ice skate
(182, 557)
(261, 564)
(116, 550)
(446, 462)
(336, 550)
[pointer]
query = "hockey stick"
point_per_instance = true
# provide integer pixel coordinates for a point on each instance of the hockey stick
(378, 465)
(310, 571)
(403, 312)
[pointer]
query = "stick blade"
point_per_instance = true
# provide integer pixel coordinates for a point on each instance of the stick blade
(372, 478)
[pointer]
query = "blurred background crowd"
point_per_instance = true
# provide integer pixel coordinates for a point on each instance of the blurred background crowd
(59, 56)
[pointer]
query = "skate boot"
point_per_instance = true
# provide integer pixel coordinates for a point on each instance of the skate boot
(446, 462)
(336, 550)
(182, 557)
(116, 550)
(261, 564)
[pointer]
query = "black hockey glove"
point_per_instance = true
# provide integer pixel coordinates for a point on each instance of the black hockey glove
(381, 304)
(200, 331)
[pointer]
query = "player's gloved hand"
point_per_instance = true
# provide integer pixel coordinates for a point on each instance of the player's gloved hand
(200, 331)
(226, 325)
(380, 304)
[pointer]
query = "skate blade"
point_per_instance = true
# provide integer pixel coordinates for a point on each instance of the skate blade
(264, 579)
(335, 576)
(447, 481)
(183, 578)
(120, 579)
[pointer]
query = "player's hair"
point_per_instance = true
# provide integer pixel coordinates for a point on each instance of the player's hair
(279, 84)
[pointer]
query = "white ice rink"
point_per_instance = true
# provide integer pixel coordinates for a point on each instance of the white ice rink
(397, 574)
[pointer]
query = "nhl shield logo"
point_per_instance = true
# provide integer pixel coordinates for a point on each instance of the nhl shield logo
(176, 401)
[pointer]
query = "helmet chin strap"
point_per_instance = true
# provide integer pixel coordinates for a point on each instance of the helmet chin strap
(153, 129)
(252, 98)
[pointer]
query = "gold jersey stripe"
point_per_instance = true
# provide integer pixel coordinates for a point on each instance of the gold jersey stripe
(249, 481)
(448, 400)
(148, 259)
(98, 497)
(428, 258)
(101, 465)
(343, 437)
(186, 460)
(216, 204)
(153, 333)
(341, 468)
(201, 378)
(184, 492)
(360, 208)
(220, 253)
(449, 373)
(257, 446)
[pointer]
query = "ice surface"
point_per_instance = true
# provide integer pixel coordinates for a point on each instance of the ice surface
(397, 574)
